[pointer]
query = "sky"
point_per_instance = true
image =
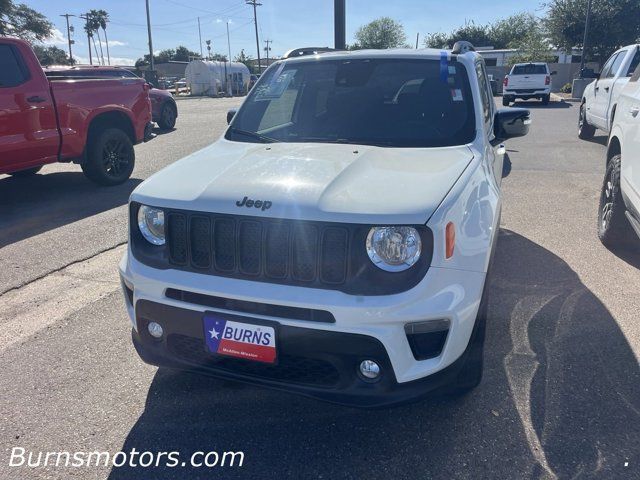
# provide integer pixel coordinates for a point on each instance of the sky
(288, 23)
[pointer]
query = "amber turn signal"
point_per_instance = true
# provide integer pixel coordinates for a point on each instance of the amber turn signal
(450, 235)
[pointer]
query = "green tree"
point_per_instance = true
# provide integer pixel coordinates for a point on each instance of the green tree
(383, 32)
(437, 40)
(180, 54)
(613, 23)
(183, 54)
(505, 33)
(533, 47)
(510, 31)
(51, 55)
(21, 21)
(247, 60)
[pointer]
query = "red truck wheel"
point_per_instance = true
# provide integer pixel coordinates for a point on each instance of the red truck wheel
(110, 159)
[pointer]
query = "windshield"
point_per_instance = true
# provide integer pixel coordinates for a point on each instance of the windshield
(385, 102)
(529, 69)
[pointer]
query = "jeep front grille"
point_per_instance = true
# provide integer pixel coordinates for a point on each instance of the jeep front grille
(261, 249)
(324, 255)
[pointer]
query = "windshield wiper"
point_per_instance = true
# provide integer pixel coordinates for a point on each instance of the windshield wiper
(255, 135)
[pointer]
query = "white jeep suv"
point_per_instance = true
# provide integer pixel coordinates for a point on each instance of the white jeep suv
(336, 241)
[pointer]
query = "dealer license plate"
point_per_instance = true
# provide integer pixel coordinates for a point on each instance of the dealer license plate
(239, 339)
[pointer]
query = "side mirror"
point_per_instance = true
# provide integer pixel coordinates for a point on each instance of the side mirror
(230, 114)
(511, 123)
(554, 73)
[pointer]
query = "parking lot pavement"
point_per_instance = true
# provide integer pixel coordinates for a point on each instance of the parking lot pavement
(560, 397)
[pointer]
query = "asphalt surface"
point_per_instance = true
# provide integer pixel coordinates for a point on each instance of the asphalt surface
(560, 397)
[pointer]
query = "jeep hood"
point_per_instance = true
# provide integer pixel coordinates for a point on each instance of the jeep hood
(328, 182)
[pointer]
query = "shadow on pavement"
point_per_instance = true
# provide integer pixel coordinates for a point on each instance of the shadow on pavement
(506, 166)
(600, 140)
(161, 131)
(538, 104)
(40, 203)
(560, 399)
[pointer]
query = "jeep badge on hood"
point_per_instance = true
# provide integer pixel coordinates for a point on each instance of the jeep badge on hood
(247, 202)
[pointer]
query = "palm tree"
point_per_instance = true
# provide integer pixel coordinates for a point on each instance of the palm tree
(90, 27)
(98, 19)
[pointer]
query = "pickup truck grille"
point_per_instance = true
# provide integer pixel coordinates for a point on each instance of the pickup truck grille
(280, 250)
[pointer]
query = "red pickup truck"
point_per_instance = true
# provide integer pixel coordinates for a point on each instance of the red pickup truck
(91, 122)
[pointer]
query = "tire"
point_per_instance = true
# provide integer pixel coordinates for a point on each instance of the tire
(29, 172)
(110, 157)
(505, 101)
(585, 131)
(545, 99)
(614, 230)
(168, 116)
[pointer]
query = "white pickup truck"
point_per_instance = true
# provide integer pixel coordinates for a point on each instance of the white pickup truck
(600, 98)
(525, 81)
(619, 210)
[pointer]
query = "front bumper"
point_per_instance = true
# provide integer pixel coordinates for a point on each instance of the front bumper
(316, 363)
(527, 93)
(364, 328)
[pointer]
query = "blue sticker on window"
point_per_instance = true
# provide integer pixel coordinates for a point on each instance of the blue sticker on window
(444, 67)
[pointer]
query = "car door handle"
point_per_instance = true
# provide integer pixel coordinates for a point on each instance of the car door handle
(634, 111)
(35, 99)
(596, 88)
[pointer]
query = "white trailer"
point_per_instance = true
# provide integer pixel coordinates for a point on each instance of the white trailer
(217, 78)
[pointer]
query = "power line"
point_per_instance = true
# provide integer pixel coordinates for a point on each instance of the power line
(222, 12)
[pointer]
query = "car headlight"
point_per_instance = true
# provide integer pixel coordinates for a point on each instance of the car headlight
(151, 224)
(394, 248)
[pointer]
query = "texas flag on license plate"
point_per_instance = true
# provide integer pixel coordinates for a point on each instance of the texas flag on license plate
(242, 340)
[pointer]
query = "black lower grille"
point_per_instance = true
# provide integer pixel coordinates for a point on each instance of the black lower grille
(290, 368)
(255, 308)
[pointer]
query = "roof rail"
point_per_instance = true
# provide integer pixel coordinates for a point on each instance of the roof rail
(462, 46)
(300, 52)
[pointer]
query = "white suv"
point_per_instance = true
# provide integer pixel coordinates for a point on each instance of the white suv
(336, 241)
(619, 210)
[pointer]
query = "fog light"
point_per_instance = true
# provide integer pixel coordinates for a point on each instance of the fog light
(155, 330)
(369, 369)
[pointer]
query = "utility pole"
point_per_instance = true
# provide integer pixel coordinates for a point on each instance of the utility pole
(200, 36)
(339, 25)
(153, 66)
(67, 15)
(226, 76)
(584, 40)
(86, 21)
(417, 38)
(266, 49)
(255, 4)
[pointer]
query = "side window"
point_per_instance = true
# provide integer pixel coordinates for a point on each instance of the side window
(485, 95)
(617, 63)
(607, 66)
(634, 63)
(11, 74)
